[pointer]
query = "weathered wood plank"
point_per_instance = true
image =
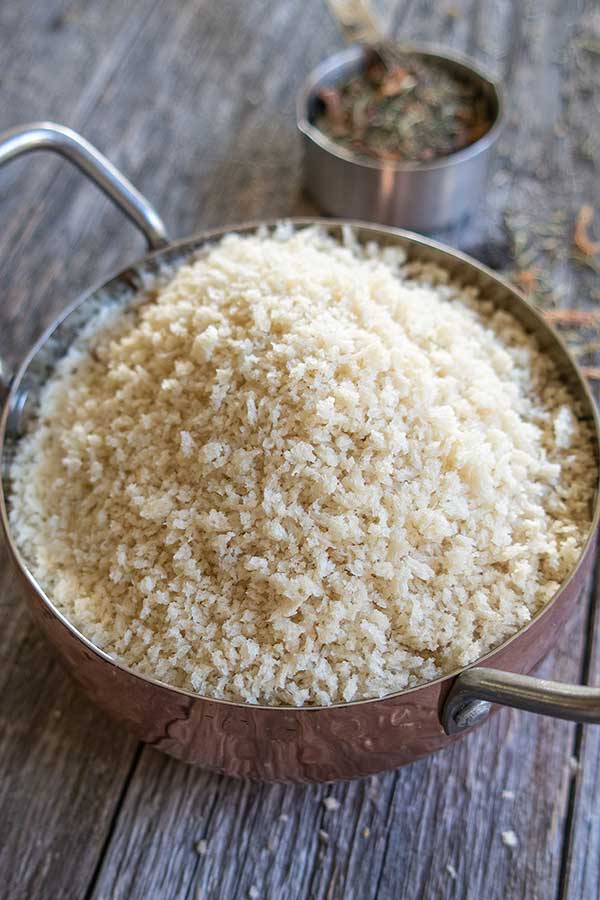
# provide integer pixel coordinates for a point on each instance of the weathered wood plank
(58, 59)
(582, 869)
(62, 766)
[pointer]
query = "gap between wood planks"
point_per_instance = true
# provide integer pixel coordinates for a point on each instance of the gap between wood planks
(113, 820)
(591, 621)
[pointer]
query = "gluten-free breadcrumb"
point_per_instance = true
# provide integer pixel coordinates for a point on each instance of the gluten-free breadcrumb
(302, 476)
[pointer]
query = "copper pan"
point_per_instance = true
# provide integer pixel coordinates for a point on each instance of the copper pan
(286, 743)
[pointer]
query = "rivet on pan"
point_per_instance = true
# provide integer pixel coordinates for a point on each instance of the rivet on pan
(472, 713)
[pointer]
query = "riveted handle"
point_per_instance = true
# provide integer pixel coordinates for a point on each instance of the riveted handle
(473, 692)
(57, 138)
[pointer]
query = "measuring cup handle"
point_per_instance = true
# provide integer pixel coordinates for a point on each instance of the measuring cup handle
(473, 692)
(48, 136)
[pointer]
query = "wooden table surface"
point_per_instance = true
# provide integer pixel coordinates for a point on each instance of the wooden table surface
(195, 101)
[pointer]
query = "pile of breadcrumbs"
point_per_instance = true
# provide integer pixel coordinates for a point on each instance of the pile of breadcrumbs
(301, 475)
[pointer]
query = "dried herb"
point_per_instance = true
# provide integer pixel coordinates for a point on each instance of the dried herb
(571, 316)
(414, 111)
(581, 237)
(591, 372)
(579, 327)
(528, 280)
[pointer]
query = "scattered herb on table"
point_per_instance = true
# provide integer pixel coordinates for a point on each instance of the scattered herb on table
(528, 280)
(581, 237)
(414, 111)
(538, 248)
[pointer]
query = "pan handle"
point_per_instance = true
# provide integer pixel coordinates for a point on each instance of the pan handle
(48, 136)
(473, 692)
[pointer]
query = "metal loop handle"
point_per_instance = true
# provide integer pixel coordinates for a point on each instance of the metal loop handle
(48, 136)
(473, 692)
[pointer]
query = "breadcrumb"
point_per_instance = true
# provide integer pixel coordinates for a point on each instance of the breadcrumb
(302, 474)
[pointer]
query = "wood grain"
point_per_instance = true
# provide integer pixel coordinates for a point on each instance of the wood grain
(196, 103)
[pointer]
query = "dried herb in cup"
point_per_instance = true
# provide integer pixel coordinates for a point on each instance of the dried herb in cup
(415, 110)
